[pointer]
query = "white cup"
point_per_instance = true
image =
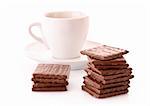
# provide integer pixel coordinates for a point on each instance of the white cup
(63, 32)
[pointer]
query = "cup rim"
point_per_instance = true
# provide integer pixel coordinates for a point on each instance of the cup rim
(81, 16)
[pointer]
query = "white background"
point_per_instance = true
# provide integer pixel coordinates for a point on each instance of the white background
(120, 23)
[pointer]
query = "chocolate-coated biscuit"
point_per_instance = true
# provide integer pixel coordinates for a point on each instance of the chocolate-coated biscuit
(57, 71)
(121, 79)
(40, 76)
(104, 95)
(117, 61)
(62, 88)
(94, 83)
(109, 71)
(105, 67)
(107, 77)
(42, 85)
(107, 90)
(44, 80)
(104, 52)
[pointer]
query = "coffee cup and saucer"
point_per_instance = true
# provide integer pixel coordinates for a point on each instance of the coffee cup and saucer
(63, 36)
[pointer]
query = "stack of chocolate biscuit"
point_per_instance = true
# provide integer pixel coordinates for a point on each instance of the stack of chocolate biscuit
(108, 72)
(51, 77)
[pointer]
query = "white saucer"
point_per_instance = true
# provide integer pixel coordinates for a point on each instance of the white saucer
(37, 51)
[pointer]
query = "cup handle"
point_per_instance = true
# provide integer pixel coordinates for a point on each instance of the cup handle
(31, 32)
